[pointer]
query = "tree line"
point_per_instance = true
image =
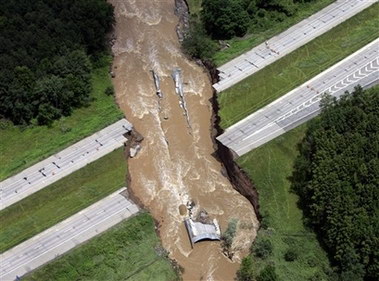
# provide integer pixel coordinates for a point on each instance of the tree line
(337, 178)
(46, 47)
(225, 19)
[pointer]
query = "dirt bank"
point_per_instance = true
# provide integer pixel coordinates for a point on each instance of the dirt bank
(177, 162)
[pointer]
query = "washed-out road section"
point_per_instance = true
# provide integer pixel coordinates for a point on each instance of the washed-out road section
(66, 235)
(284, 43)
(303, 103)
(63, 163)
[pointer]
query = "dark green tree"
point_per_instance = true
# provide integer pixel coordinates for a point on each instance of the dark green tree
(44, 56)
(197, 44)
(337, 179)
(224, 19)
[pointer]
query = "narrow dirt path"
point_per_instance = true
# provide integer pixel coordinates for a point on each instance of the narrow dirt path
(175, 165)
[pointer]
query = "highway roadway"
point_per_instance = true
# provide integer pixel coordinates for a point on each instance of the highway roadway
(66, 235)
(63, 163)
(284, 43)
(302, 103)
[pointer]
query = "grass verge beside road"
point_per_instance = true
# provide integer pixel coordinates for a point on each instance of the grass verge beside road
(257, 36)
(270, 167)
(298, 67)
(62, 199)
(128, 251)
(22, 147)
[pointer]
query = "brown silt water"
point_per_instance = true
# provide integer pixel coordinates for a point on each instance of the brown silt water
(175, 165)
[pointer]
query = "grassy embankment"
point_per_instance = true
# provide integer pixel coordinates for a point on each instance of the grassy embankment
(128, 251)
(22, 147)
(62, 199)
(255, 35)
(270, 167)
(296, 68)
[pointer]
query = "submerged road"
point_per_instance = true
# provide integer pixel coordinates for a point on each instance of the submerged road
(303, 103)
(63, 163)
(284, 43)
(66, 235)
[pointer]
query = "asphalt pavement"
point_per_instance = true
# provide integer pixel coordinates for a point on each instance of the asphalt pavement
(284, 43)
(303, 103)
(63, 163)
(66, 235)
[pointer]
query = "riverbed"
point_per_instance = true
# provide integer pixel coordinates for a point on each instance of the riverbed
(177, 162)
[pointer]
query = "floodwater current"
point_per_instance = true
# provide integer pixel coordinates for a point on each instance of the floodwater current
(175, 165)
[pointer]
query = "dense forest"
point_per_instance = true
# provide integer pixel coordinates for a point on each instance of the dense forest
(225, 19)
(337, 179)
(46, 48)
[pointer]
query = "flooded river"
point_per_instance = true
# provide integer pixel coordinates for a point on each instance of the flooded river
(175, 165)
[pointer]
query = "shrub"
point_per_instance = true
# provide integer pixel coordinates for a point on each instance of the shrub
(229, 234)
(246, 273)
(268, 274)
(109, 91)
(262, 248)
(290, 255)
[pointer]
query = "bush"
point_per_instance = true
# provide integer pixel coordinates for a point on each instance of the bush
(290, 255)
(197, 44)
(262, 248)
(266, 220)
(268, 274)
(109, 91)
(246, 273)
(229, 234)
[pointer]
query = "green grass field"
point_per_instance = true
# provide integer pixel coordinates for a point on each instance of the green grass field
(270, 167)
(22, 147)
(296, 68)
(240, 45)
(127, 251)
(62, 199)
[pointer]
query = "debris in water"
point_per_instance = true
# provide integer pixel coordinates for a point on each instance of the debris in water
(134, 150)
(157, 84)
(176, 75)
(159, 93)
(203, 228)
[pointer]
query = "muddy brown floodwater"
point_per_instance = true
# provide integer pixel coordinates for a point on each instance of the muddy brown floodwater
(175, 165)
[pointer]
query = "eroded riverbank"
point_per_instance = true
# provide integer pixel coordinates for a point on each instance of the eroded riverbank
(176, 164)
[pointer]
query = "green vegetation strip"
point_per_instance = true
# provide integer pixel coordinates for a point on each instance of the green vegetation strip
(270, 27)
(298, 67)
(62, 199)
(128, 251)
(270, 168)
(22, 147)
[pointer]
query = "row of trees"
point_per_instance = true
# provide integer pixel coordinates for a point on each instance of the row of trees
(225, 19)
(337, 179)
(45, 50)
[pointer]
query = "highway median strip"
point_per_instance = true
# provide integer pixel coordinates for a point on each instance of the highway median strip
(129, 250)
(296, 68)
(62, 199)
